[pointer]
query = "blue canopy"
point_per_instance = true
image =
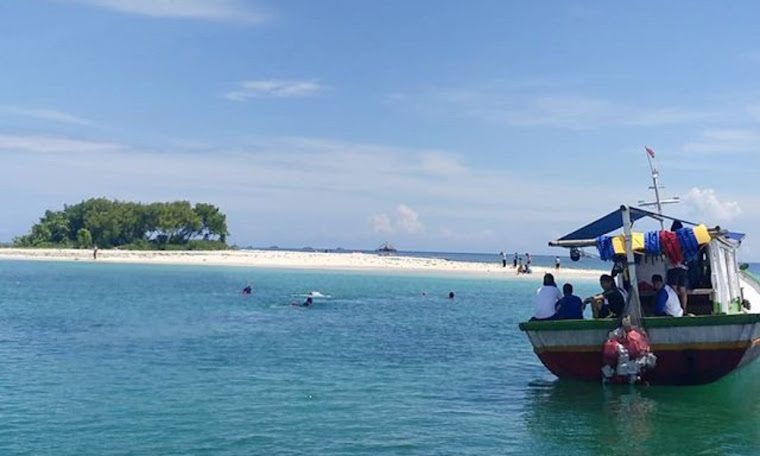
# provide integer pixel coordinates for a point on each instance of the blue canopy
(614, 221)
(608, 223)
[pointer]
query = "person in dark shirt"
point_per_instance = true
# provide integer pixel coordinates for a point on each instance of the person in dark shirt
(678, 273)
(570, 307)
(611, 303)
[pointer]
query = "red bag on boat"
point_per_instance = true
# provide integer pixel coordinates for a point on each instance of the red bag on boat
(636, 343)
(645, 287)
(671, 247)
(610, 352)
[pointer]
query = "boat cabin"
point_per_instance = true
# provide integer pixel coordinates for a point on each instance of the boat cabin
(708, 254)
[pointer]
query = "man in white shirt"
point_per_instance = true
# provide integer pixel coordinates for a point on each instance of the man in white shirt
(546, 299)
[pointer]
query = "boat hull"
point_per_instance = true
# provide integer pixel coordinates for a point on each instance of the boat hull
(690, 350)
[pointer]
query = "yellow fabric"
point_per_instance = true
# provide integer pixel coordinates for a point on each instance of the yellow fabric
(618, 243)
(700, 232)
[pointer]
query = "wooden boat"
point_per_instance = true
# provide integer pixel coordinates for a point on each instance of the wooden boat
(386, 249)
(723, 335)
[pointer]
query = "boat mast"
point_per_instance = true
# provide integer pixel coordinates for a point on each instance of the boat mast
(656, 187)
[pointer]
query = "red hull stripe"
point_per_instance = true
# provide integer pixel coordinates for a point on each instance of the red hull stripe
(673, 367)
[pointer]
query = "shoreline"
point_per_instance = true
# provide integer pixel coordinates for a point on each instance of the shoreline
(281, 259)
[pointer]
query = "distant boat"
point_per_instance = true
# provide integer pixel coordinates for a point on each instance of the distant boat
(386, 249)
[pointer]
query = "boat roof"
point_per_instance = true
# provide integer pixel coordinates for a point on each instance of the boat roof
(614, 221)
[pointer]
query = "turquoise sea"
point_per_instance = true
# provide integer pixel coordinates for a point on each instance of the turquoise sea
(106, 359)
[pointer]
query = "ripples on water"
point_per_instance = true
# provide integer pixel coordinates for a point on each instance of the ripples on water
(126, 359)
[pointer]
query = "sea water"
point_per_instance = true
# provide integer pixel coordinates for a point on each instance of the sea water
(107, 359)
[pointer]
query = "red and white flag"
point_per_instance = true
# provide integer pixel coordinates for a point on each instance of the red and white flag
(649, 151)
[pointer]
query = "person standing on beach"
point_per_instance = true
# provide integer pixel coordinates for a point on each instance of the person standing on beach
(95, 253)
(528, 260)
(514, 261)
(503, 259)
(557, 262)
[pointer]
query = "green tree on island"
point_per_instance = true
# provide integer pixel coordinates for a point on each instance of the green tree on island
(112, 223)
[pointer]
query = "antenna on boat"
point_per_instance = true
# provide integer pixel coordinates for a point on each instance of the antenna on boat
(656, 187)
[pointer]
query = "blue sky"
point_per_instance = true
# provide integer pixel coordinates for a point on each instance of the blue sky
(468, 126)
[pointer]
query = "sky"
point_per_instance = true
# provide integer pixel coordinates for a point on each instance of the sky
(474, 126)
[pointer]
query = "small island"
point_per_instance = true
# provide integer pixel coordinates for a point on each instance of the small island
(110, 224)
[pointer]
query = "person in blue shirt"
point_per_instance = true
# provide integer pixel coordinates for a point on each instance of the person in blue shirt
(570, 307)
(667, 303)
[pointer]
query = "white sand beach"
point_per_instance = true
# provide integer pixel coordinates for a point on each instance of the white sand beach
(289, 259)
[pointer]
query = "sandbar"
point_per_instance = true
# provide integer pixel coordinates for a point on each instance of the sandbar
(294, 260)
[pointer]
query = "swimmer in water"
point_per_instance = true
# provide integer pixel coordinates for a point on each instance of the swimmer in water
(451, 295)
(308, 303)
(248, 289)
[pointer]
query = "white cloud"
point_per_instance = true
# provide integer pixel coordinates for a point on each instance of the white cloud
(54, 144)
(725, 141)
(333, 186)
(45, 114)
(381, 223)
(216, 10)
(557, 111)
(479, 236)
(542, 103)
(441, 164)
(404, 220)
(578, 111)
(705, 204)
(275, 88)
(407, 219)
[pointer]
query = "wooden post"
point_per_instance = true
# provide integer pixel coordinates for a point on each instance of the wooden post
(633, 306)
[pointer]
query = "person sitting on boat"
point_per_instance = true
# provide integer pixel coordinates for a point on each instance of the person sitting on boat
(667, 303)
(611, 303)
(570, 307)
(546, 299)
